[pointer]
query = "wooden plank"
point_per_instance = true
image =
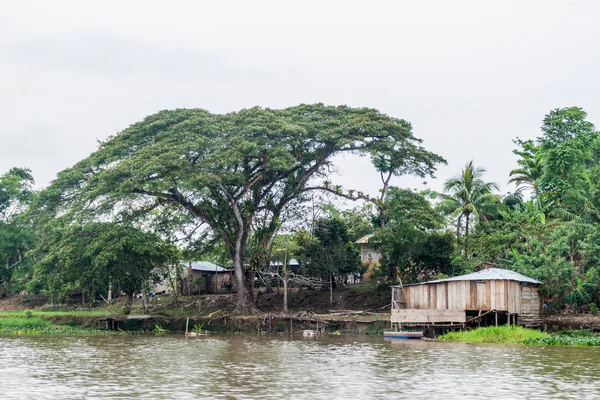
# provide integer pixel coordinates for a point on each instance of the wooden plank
(473, 295)
(428, 316)
(498, 285)
(446, 295)
(506, 294)
(443, 297)
(481, 305)
(488, 295)
(433, 293)
(513, 287)
(535, 301)
(456, 303)
(518, 300)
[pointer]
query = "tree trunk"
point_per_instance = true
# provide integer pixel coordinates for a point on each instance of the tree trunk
(188, 279)
(285, 282)
(245, 293)
(382, 214)
(129, 304)
(331, 289)
(144, 298)
(109, 295)
(467, 236)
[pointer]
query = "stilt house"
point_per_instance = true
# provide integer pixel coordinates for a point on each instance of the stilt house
(491, 296)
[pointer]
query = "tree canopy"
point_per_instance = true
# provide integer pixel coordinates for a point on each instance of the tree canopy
(189, 167)
(16, 235)
(94, 258)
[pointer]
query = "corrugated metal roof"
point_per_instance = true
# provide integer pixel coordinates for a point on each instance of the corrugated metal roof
(364, 239)
(292, 262)
(488, 275)
(206, 266)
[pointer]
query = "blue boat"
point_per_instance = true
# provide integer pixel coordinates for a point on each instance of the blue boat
(402, 335)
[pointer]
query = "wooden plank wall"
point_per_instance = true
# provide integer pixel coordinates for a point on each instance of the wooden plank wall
(530, 301)
(427, 316)
(472, 295)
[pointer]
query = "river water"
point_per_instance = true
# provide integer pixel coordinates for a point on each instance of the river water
(248, 367)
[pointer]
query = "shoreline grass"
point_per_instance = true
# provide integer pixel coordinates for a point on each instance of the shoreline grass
(28, 322)
(56, 330)
(41, 313)
(510, 334)
(504, 334)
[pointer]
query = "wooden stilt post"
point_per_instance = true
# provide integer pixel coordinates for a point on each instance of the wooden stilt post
(187, 322)
(496, 317)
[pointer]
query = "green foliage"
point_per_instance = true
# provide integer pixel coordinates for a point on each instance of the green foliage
(504, 334)
(199, 282)
(413, 244)
(565, 340)
(578, 295)
(159, 330)
(89, 258)
(16, 235)
(179, 169)
(330, 252)
(469, 198)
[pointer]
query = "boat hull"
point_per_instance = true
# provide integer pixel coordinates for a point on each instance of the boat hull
(403, 335)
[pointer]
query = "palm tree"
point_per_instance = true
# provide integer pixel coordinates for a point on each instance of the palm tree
(467, 195)
(527, 175)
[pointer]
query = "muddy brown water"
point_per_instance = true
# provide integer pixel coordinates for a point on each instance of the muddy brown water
(249, 367)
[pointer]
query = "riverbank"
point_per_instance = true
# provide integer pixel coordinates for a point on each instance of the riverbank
(80, 322)
(516, 335)
(357, 309)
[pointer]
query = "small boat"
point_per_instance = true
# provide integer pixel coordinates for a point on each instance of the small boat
(403, 335)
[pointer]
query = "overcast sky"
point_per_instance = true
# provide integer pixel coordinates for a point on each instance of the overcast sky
(469, 75)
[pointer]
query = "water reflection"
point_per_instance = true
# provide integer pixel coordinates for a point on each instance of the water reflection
(246, 367)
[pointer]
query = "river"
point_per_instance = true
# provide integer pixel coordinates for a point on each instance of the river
(248, 367)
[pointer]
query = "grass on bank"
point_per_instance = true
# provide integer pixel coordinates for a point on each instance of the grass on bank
(45, 313)
(34, 323)
(510, 334)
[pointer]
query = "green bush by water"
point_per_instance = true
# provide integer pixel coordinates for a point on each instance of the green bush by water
(517, 335)
(17, 322)
(566, 340)
(509, 334)
(53, 330)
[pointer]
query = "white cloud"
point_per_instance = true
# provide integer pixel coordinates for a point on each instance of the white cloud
(469, 75)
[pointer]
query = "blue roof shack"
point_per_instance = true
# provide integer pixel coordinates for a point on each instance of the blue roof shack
(491, 296)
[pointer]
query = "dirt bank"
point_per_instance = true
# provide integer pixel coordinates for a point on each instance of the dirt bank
(571, 321)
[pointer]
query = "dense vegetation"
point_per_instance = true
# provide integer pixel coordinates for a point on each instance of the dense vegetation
(248, 188)
(510, 334)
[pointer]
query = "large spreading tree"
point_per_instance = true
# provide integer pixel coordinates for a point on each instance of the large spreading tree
(16, 236)
(189, 168)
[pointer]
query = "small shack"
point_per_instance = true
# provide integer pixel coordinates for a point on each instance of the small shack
(214, 278)
(488, 297)
(369, 255)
